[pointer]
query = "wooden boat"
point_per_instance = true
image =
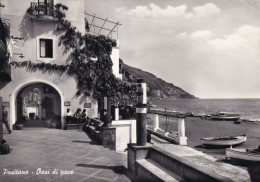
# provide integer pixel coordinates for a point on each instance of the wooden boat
(237, 122)
(251, 155)
(223, 141)
(225, 116)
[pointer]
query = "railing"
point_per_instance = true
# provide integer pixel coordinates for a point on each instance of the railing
(41, 8)
(176, 114)
(167, 119)
(169, 125)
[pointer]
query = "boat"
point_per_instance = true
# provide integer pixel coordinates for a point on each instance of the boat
(225, 116)
(189, 114)
(223, 141)
(250, 155)
(237, 122)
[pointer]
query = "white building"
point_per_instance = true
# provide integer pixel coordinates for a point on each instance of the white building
(36, 94)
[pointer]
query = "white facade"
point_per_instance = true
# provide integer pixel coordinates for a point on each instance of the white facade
(37, 33)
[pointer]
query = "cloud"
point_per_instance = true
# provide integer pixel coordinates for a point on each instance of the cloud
(206, 10)
(156, 11)
(245, 38)
(244, 41)
(202, 35)
(199, 35)
(182, 35)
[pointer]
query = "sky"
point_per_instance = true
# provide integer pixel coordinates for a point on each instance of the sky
(209, 48)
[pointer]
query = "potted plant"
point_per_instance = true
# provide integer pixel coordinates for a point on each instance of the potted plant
(48, 123)
(19, 124)
(53, 124)
(53, 121)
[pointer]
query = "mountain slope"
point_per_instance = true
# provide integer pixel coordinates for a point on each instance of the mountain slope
(158, 88)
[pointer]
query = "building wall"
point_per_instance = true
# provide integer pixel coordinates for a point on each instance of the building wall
(34, 29)
(65, 86)
(31, 30)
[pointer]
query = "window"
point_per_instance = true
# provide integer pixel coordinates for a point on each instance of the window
(46, 48)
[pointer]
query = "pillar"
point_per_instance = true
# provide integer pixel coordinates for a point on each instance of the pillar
(107, 111)
(116, 113)
(155, 122)
(141, 112)
(181, 132)
(108, 118)
(108, 133)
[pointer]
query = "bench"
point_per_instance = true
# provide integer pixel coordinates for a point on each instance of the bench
(74, 126)
(93, 129)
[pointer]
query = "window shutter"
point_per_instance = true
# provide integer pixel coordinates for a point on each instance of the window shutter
(49, 49)
(42, 47)
(46, 48)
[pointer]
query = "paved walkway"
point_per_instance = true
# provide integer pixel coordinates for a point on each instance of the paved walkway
(40, 152)
(59, 155)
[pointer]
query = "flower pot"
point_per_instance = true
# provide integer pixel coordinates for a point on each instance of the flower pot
(48, 123)
(18, 126)
(53, 125)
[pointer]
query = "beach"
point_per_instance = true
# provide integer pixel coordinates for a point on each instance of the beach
(246, 108)
(197, 128)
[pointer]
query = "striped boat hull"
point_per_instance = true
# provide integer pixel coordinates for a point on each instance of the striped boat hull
(243, 154)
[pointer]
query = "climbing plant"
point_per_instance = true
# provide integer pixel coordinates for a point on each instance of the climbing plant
(89, 61)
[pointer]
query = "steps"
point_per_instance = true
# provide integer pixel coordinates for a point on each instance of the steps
(35, 123)
(156, 172)
(155, 164)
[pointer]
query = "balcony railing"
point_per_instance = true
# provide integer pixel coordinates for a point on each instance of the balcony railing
(42, 9)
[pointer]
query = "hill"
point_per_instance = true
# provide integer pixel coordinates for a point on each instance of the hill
(157, 88)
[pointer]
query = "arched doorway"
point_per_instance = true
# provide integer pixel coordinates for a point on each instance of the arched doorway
(37, 103)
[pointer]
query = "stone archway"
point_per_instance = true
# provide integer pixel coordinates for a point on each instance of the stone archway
(13, 98)
(37, 103)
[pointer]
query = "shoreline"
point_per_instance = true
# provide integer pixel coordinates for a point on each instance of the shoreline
(246, 108)
(197, 128)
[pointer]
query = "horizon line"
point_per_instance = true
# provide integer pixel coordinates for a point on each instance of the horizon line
(228, 97)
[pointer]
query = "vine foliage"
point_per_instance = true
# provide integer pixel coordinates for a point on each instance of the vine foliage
(90, 63)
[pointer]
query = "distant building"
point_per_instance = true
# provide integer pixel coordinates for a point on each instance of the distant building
(33, 94)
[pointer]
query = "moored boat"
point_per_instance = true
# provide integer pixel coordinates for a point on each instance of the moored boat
(225, 116)
(223, 141)
(251, 155)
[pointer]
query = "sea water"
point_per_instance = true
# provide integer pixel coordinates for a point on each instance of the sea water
(247, 108)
